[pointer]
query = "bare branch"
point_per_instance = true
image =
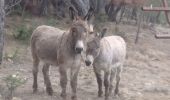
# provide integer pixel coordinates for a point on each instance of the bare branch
(11, 6)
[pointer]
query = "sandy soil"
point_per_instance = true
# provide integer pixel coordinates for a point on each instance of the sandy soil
(146, 74)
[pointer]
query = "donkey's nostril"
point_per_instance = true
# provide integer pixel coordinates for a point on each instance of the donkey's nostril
(88, 63)
(79, 50)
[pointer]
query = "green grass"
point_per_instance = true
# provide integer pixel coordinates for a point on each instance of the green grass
(23, 32)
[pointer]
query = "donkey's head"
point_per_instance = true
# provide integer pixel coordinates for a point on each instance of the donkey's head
(93, 48)
(80, 30)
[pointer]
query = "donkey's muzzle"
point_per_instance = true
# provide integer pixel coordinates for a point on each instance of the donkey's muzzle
(88, 63)
(79, 50)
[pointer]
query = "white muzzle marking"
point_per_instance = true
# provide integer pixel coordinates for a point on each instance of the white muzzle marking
(79, 44)
(90, 58)
(91, 28)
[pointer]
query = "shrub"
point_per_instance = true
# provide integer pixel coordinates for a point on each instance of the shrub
(12, 82)
(23, 32)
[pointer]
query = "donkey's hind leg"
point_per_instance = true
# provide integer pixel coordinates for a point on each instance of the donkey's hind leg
(73, 81)
(112, 77)
(47, 81)
(118, 76)
(35, 73)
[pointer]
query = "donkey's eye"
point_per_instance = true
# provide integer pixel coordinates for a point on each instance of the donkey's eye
(97, 46)
(91, 33)
(74, 30)
(85, 31)
(74, 34)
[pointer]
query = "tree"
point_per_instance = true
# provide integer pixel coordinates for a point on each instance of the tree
(2, 17)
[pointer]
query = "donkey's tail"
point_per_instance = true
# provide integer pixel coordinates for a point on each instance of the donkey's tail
(33, 45)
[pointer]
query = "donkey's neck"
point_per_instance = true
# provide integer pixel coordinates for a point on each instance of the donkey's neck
(67, 44)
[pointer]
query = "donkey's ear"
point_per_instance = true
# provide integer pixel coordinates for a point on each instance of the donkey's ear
(103, 32)
(89, 14)
(72, 13)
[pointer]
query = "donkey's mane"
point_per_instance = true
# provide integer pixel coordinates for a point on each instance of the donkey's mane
(79, 22)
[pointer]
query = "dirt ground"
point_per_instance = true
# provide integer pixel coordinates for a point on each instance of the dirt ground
(145, 76)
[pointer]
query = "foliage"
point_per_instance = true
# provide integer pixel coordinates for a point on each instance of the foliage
(12, 82)
(29, 7)
(23, 32)
(13, 7)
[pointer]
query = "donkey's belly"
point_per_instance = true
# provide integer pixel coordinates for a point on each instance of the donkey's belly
(47, 49)
(47, 55)
(67, 62)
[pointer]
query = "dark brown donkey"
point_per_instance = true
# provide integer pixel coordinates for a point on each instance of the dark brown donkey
(60, 48)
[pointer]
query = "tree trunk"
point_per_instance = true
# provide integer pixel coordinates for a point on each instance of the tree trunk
(44, 7)
(59, 7)
(82, 6)
(2, 16)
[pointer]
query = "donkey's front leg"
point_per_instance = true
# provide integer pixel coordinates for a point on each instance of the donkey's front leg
(118, 76)
(73, 83)
(99, 81)
(63, 81)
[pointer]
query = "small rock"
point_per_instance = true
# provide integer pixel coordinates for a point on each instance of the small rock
(15, 98)
(139, 94)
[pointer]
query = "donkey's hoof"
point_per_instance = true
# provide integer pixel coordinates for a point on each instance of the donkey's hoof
(100, 94)
(35, 90)
(107, 98)
(110, 90)
(74, 97)
(49, 91)
(63, 95)
(116, 92)
(117, 95)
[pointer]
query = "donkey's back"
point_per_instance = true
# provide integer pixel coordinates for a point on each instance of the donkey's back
(44, 31)
(44, 42)
(113, 50)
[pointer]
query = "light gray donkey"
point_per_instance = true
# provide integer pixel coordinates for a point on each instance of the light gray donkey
(60, 48)
(106, 54)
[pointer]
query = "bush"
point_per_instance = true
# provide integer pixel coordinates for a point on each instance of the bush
(12, 82)
(23, 32)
